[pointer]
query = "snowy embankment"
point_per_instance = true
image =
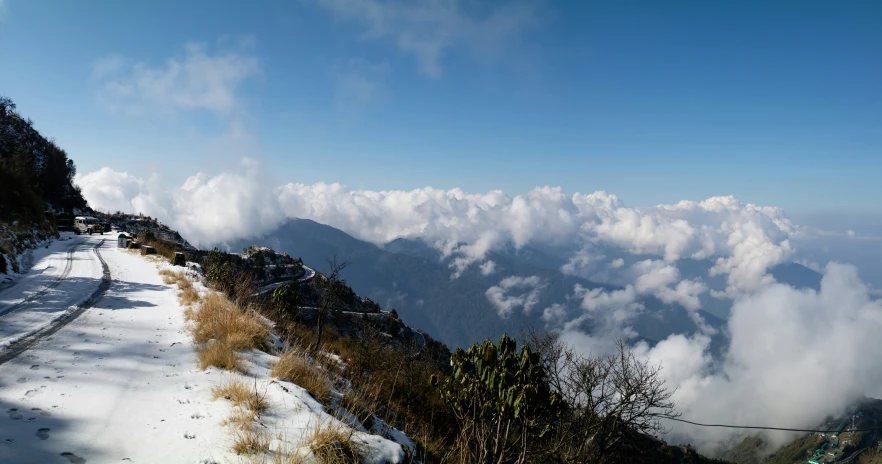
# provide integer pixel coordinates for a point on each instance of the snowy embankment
(120, 383)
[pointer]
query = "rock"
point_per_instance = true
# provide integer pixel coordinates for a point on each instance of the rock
(180, 259)
(148, 250)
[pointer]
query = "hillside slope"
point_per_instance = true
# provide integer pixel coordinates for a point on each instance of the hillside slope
(409, 276)
(37, 184)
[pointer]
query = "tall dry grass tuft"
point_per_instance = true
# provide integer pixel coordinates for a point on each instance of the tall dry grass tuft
(250, 441)
(217, 318)
(295, 367)
(249, 404)
(169, 276)
(331, 444)
(189, 294)
(219, 353)
(242, 395)
(241, 419)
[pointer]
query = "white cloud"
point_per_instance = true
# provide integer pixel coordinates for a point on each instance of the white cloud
(554, 314)
(206, 210)
(197, 79)
(501, 297)
(746, 239)
(655, 277)
(427, 29)
(489, 267)
(789, 348)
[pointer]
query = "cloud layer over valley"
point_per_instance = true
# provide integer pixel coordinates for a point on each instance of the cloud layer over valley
(785, 348)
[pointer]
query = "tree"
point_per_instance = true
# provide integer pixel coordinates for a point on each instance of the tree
(219, 271)
(333, 291)
(612, 403)
(286, 299)
(501, 400)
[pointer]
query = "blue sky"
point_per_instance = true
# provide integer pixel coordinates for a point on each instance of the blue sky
(777, 103)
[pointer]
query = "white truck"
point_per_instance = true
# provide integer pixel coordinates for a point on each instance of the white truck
(87, 225)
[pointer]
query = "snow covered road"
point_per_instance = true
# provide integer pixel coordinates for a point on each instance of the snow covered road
(117, 384)
(64, 276)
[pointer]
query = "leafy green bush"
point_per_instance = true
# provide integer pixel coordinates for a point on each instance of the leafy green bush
(218, 271)
(501, 399)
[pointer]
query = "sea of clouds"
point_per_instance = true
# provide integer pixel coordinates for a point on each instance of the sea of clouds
(794, 356)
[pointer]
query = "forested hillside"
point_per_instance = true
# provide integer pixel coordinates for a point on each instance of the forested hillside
(36, 184)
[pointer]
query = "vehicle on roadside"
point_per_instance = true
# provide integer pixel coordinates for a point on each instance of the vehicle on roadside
(87, 225)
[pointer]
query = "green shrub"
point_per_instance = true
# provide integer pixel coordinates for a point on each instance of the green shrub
(502, 400)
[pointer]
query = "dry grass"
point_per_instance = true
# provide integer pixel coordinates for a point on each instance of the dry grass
(241, 419)
(362, 402)
(242, 395)
(250, 441)
(293, 366)
(219, 353)
(189, 294)
(248, 404)
(169, 276)
(332, 444)
(217, 318)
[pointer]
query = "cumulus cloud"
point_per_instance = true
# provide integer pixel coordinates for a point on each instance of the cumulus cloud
(746, 240)
(196, 79)
(429, 29)
(489, 267)
(662, 280)
(207, 210)
(515, 292)
(789, 348)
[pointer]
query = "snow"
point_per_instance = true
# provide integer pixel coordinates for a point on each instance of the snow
(120, 383)
(62, 276)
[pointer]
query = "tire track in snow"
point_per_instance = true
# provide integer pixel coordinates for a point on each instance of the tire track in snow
(26, 343)
(67, 268)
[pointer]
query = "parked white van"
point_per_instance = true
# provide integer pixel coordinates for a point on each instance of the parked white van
(87, 225)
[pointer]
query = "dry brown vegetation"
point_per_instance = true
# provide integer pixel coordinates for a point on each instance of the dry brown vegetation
(219, 354)
(332, 444)
(248, 404)
(188, 293)
(387, 382)
(169, 276)
(220, 328)
(241, 419)
(250, 441)
(217, 318)
(242, 395)
(294, 366)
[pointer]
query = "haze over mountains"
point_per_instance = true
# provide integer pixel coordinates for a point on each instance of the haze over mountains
(412, 277)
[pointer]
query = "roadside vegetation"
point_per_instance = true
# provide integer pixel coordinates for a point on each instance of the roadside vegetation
(36, 185)
(526, 400)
